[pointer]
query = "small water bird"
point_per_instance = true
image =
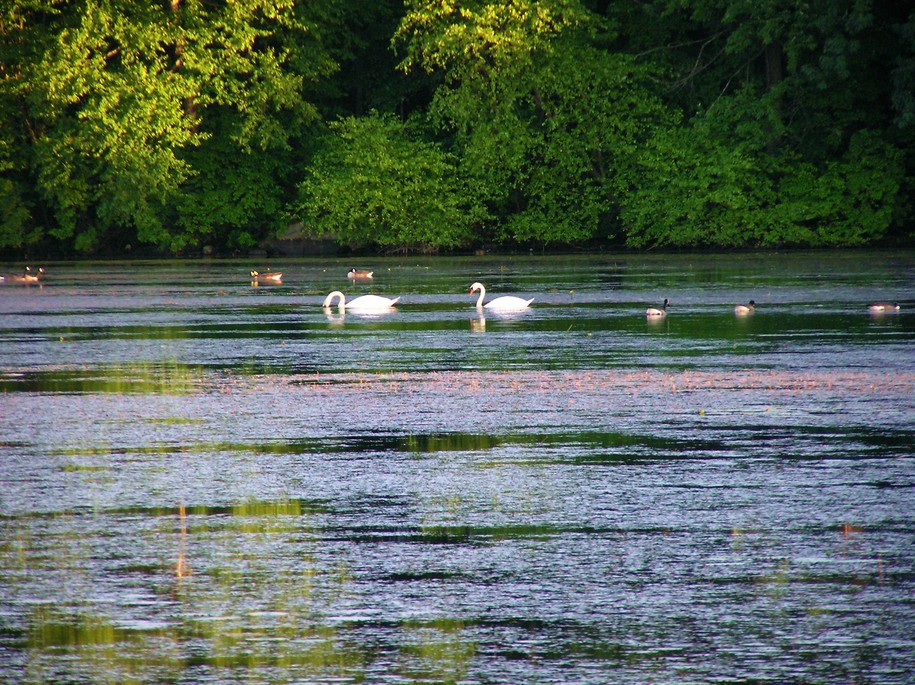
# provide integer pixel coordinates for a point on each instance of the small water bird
(267, 277)
(505, 303)
(358, 274)
(744, 309)
(883, 307)
(363, 303)
(658, 311)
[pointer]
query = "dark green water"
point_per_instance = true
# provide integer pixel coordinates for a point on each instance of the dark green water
(203, 481)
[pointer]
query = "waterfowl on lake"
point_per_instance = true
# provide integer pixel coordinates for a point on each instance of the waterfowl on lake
(33, 276)
(658, 311)
(359, 274)
(363, 303)
(29, 275)
(505, 303)
(883, 307)
(267, 277)
(747, 308)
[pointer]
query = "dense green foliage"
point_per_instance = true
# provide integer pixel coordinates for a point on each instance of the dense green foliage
(372, 182)
(431, 124)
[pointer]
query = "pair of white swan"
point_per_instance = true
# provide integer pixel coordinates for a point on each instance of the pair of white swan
(377, 304)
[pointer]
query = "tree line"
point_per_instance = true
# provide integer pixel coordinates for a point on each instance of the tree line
(170, 125)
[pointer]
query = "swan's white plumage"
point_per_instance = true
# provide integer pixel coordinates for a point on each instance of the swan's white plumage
(506, 303)
(363, 303)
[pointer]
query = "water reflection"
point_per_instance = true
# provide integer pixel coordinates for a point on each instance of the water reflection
(160, 378)
(436, 651)
(64, 646)
(252, 614)
(333, 317)
(658, 323)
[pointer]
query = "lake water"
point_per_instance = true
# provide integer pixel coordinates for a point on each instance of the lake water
(203, 481)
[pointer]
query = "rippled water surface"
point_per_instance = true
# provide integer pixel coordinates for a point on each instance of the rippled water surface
(202, 481)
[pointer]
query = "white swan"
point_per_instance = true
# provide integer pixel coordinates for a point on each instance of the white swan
(506, 303)
(364, 303)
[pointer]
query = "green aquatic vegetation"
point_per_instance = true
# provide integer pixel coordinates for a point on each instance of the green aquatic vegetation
(132, 377)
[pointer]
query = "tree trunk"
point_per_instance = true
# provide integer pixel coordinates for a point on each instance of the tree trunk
(774, 75)
(190, 103)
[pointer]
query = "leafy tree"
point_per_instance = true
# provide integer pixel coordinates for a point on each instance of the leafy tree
(784, 108)
(177, 123)
(250, 114)
(696, 191)
(903, 73)
(122, 106)
(235, 195)
(107, 119)
(692, 190)
(851, 201)
(374, 183)
(357, 35)
(15, 214)
(545, 122)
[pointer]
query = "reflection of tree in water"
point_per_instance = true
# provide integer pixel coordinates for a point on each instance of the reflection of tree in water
(161, 378)
(256, 601)
(240, 597)
(435, 650)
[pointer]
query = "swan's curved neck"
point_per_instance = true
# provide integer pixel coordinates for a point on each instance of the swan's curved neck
(482, 295)
(336, 294)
